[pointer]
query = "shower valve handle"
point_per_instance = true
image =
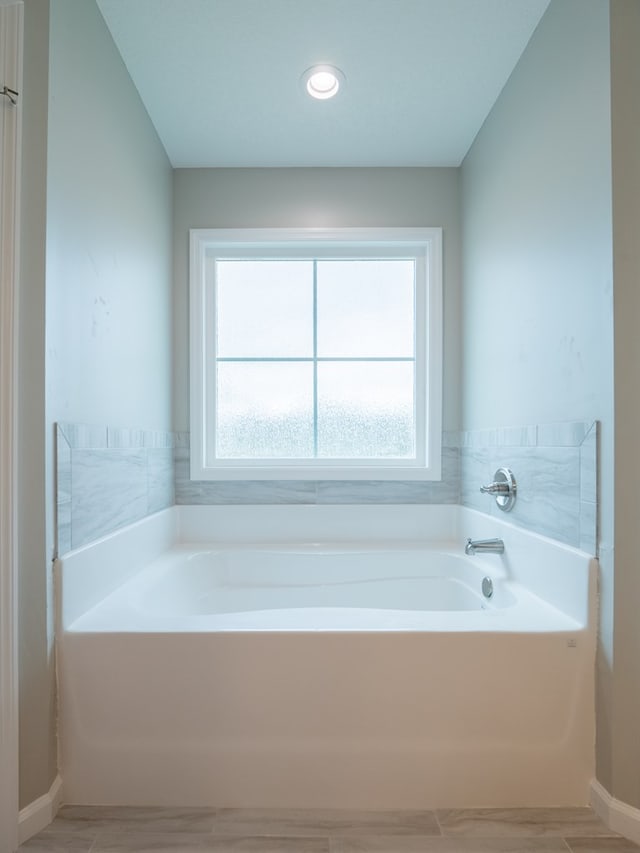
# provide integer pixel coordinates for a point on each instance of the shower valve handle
(503, 488)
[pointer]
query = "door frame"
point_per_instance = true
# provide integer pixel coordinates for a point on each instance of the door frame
(11, 34)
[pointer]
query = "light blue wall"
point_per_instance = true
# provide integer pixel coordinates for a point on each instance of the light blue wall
(106, 285)
(108, 235)
(537, 316)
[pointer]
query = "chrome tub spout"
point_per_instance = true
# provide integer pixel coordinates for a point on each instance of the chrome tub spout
(484, 546)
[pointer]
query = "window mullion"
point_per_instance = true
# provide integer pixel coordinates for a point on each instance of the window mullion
(315, 358)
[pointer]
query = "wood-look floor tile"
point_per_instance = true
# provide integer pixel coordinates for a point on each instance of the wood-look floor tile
(449, 844)
(305, 822)
(602, 845)
(116, 841)
(78, 841)
(192, 843)
(133, 819)
(575, 822)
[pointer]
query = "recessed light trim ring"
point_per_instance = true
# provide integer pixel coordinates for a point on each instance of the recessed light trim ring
(323, 81)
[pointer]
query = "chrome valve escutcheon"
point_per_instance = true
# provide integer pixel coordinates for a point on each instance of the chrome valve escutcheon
(504, 488)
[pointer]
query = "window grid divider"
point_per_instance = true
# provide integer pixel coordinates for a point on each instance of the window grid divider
(315, 358)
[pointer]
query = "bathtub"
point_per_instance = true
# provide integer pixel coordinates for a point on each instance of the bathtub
(328, 657)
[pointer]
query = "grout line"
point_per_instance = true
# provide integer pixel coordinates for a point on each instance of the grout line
(434, 812)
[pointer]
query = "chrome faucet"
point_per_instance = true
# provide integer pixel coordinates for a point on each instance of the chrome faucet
(484, 546)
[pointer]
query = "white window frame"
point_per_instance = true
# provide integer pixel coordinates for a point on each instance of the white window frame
(425, 244)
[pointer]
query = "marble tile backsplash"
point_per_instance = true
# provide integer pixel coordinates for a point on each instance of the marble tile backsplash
(555, 466)
(108, 478)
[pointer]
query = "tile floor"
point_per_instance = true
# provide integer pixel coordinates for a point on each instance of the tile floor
(88, 829)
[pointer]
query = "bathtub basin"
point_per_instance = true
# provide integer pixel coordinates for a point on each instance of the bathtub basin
(321, 587)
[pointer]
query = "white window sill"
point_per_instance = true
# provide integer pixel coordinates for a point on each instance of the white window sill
(298, 472)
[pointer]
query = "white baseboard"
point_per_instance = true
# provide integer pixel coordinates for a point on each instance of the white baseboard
(618, 816)
(39, 814)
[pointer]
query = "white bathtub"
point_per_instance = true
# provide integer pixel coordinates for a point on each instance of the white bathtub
(365, 670)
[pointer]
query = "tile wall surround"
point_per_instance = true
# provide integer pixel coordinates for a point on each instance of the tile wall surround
(107, 478)
(445, 491)
(555, 466)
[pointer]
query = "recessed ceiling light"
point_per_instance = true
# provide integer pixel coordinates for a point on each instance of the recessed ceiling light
(322, 81)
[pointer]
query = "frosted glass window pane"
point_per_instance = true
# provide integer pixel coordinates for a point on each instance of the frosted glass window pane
(264, 410)
(366, 308)
(264, 309)
(366, 411)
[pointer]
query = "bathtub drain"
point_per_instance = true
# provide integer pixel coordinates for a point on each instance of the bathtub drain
(487, 587)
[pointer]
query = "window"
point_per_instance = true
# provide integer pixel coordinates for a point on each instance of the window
(316, 354)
